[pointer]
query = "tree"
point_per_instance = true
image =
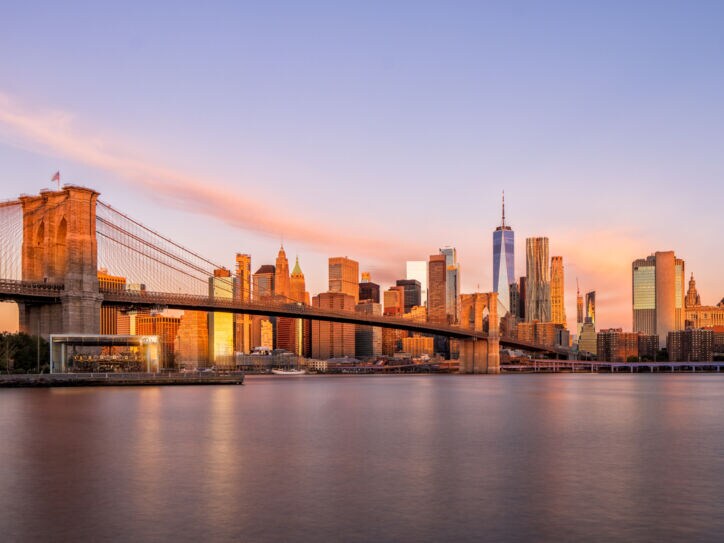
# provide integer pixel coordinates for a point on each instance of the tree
(20, 352)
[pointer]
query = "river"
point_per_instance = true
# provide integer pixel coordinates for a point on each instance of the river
(577, 457)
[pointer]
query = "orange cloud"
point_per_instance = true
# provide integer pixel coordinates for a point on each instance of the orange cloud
(55, 133)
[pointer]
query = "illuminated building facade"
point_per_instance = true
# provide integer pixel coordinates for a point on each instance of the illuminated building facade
(333, 339)
(417, 269)
(413, 293)
(166, 328)
(243, 322)
(503, 264)
(221, 325)
(701, 316)
(691, 345)
(436, 289)
(658, 294)
(538, 280)
(112, 319)
(192, 340)
(418, 346)
(615, 345)
(452, 283)
(344, 277)
(558, 306)
(394, 299)
(368, 339)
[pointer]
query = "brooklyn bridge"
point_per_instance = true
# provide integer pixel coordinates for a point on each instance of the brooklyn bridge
(54, 243)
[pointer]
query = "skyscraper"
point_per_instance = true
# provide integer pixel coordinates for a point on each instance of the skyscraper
(221, 325)
(297, 285)
(579, 310)
(658, 294)
(417, 269)
(263, 282)
(344, 276)
(281, 275)
(452, 282)
(369, 290)
(413, 293)
(243, 322)
(436, 289)
(333, 339)
(538, 281)
(558, 306)
(503, 263)
(591, 307)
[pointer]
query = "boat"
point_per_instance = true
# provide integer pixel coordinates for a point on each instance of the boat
(288, 371)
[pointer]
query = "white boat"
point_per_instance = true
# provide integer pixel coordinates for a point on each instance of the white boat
(288, 372)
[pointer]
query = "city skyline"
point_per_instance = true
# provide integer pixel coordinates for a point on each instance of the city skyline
(596, 146)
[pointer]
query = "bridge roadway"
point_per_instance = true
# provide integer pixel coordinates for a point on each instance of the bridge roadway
(29, 292)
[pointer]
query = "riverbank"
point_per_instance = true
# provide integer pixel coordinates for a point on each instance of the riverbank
(45, 380)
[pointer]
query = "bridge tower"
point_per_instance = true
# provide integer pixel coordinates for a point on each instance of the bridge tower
(479, 312)
(59, 246)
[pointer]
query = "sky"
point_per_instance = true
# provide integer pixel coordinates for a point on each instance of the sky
(383, 131)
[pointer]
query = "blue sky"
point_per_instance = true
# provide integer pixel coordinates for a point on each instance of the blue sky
(384, 130)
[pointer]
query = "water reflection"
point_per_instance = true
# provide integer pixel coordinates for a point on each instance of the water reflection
(575, 457)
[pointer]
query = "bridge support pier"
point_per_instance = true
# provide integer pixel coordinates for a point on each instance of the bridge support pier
(480, 356)
(59, 246)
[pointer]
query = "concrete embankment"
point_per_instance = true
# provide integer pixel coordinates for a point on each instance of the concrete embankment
(119, 379)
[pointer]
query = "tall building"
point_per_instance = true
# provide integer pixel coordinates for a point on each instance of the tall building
(692, 345)
(452, 282)
(503, 264)
(615, 345)
(436, 289)
(558, 306)
(413, 293)
(297, 285)
(263, 282)
(591, 307)
(417, 269)
(514, 300)
(394, 299)
(243, 322)
(344, 276)
(368, 339)
(192, 340)
(538, 280)
(221, 325)
(658, 294)
(522, 287)
(701, 316)
(333, 339)
(281, 276)
(110, 316)
(579, 309)
(369, 290)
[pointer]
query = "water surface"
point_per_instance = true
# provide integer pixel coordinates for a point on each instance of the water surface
(378, 458)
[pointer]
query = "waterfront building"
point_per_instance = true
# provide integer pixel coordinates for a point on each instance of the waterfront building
(701, 316)
(243, 322)
(541, 333)
(503, 264)
(368, 339)
(418, 346)
(192, 340)
(452, 283)
(413, 293)
(110, 316)
(221, 325)
(392, 341)
(166, 328)
(615, 345)
(538, 280)
(344, 276)
(266, 333)
(417, 313)
(658, 294)
(587, 340)
(333, 339)
(369, 291)
(558, 306)
(648, 346)
(690, 345)
(417, 269)
(436, 289)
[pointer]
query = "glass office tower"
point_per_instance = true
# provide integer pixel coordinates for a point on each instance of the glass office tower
(503, 263)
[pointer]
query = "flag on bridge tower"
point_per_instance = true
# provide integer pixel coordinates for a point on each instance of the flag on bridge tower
(56, 178)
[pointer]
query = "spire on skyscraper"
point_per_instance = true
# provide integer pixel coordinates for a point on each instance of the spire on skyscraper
(503, 224)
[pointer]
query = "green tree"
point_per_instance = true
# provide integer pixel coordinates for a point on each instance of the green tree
(19, 352)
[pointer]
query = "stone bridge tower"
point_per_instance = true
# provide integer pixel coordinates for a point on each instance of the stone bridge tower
(479, 312)
(59, 246)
